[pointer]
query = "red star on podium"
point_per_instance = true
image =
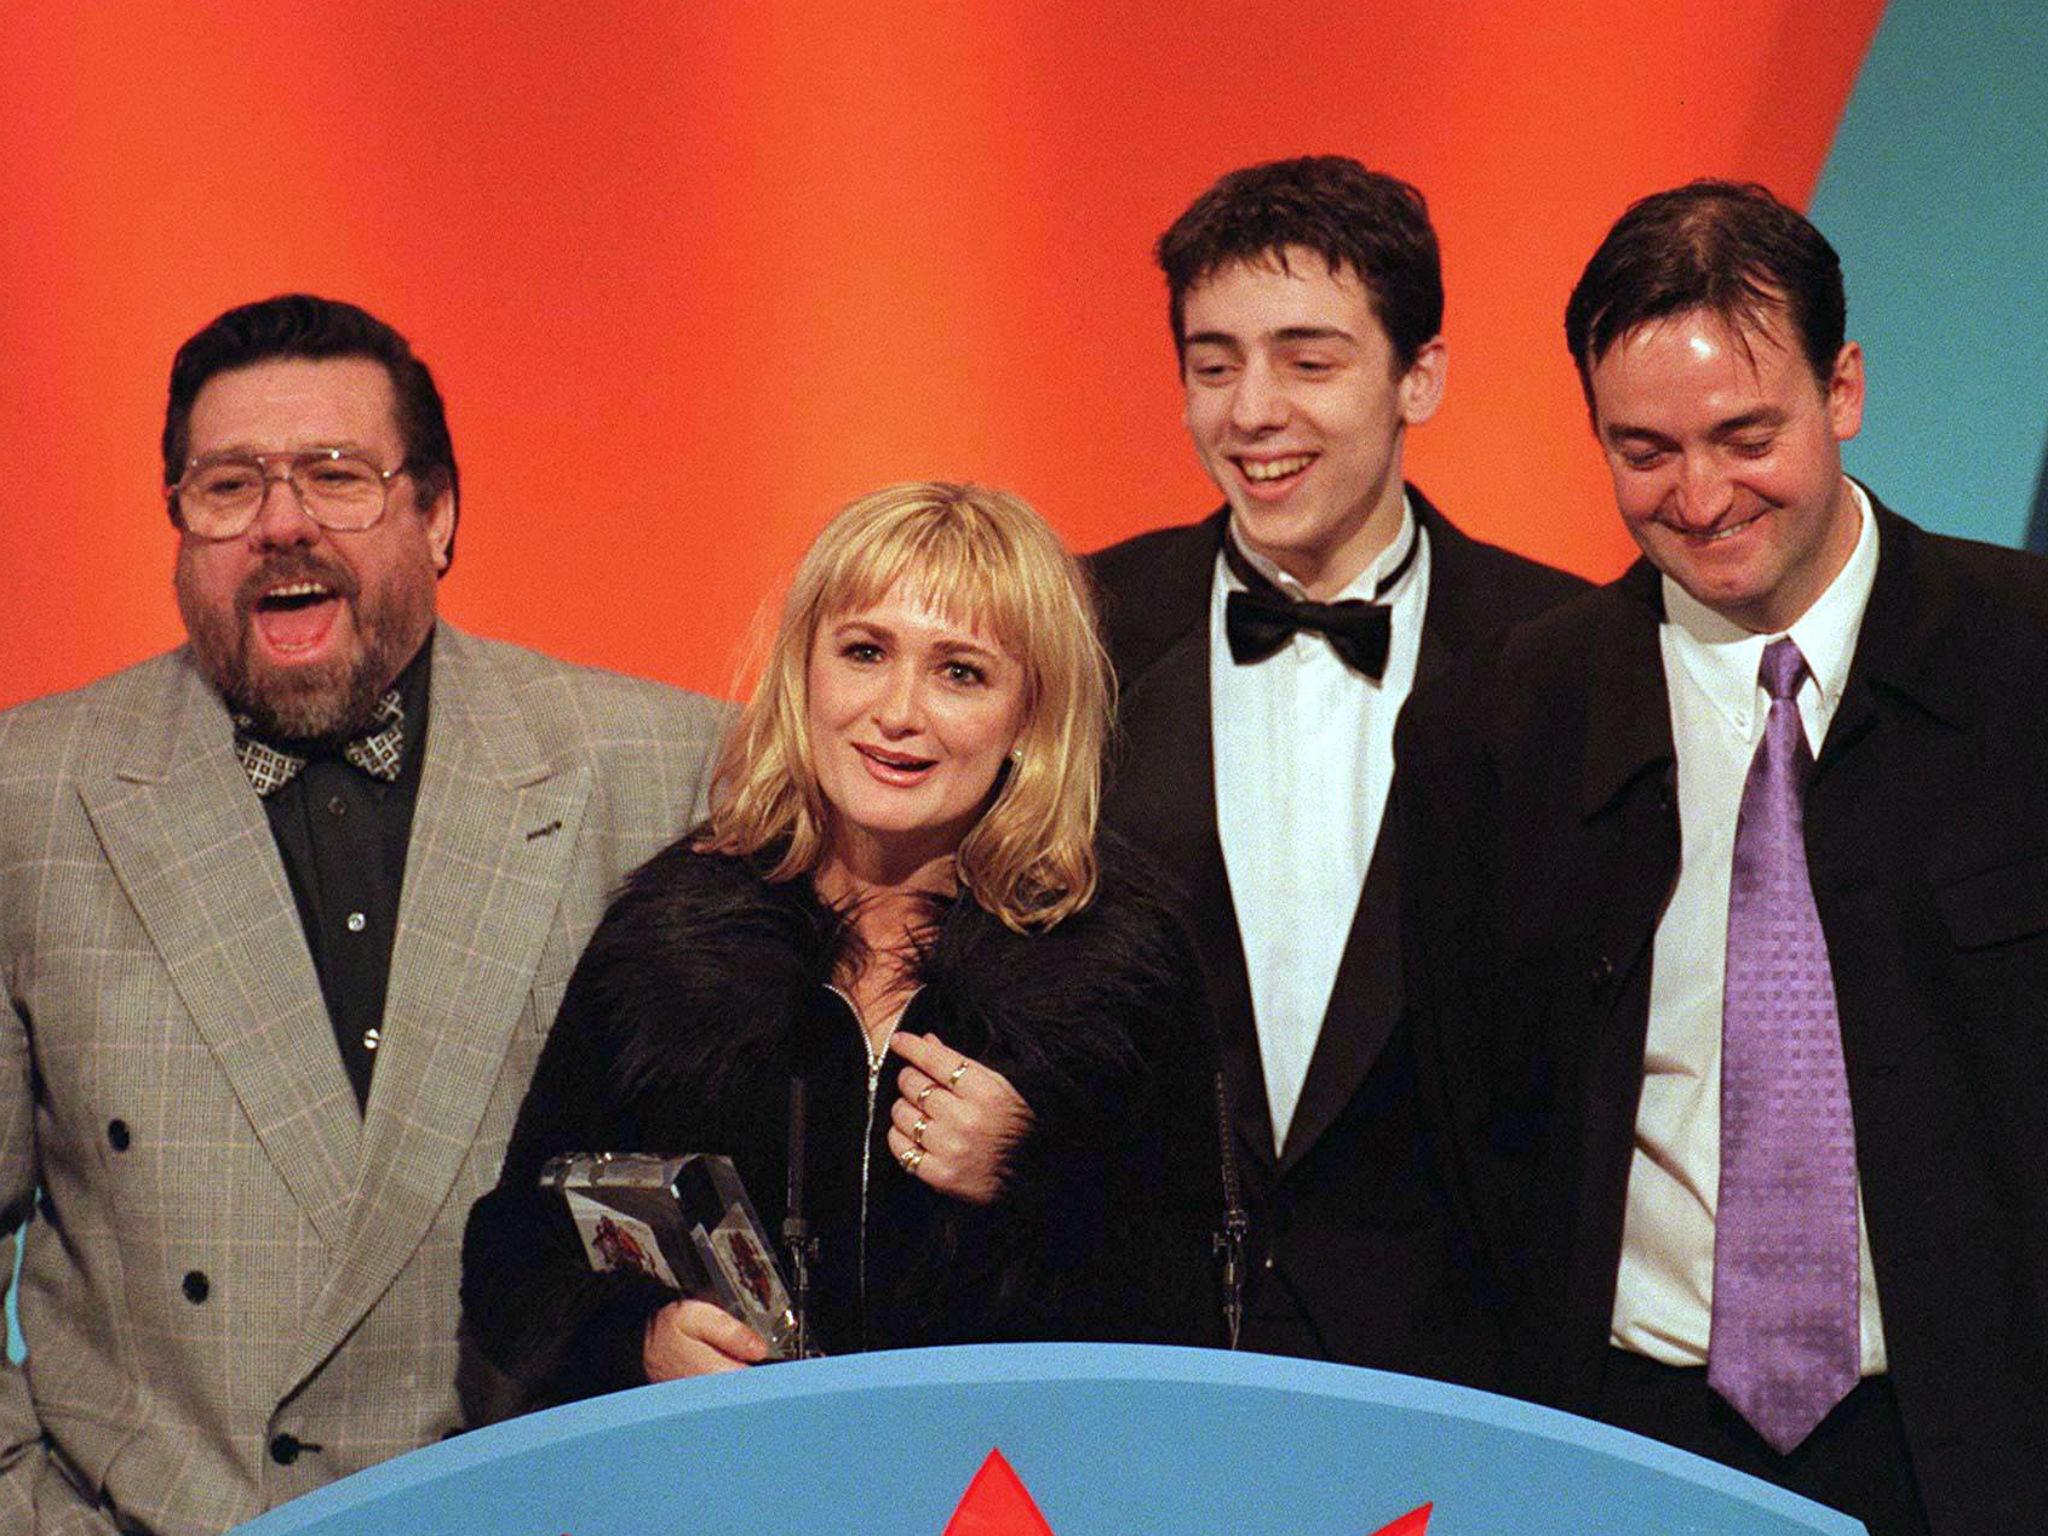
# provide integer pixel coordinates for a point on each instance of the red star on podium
(998, 1504)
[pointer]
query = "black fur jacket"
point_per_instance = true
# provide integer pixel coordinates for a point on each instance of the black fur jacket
(705, 988)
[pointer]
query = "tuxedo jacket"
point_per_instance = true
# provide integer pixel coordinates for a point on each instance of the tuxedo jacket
(1544, 798)
(235, 1286)
(1345, 1249)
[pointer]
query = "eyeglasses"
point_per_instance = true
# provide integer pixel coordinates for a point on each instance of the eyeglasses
(220, 494)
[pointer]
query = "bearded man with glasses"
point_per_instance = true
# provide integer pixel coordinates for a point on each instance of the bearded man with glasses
(284, 918)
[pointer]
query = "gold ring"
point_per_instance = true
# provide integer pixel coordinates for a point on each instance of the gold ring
(917, 1131)
(912, 1158)
(924, 1093)
(958, 1072)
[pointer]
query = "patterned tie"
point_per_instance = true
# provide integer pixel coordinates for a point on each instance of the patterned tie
(380, 752)
(1785, 1346)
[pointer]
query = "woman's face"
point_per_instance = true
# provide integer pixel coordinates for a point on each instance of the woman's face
(911, 716)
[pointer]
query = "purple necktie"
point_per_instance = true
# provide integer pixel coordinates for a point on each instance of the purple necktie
(1785, 1346)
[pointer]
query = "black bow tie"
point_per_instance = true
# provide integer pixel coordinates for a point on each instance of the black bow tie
(1258, 624)
(1262, 618)
(380, 753)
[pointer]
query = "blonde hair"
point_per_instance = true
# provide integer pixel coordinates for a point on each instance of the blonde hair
(985, 559)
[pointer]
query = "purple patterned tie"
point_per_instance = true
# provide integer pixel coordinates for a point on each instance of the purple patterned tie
(1785, 1346)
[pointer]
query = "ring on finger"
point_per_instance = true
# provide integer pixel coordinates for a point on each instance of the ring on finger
(924, 1093)
(912, 1158)
(917, 1131)
(953, 1079)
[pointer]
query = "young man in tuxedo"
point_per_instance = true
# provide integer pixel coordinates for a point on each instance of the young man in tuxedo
(1262, 656)
(1729, 931)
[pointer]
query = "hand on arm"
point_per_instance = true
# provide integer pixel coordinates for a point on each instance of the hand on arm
(956, 1122)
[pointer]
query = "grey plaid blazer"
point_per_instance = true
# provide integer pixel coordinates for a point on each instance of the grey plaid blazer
(236, 1288)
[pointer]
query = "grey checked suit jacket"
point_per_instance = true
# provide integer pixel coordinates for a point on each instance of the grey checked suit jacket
(236, 1288)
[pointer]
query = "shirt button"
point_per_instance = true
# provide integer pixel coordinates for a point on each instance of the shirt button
(372, 1039)
(337, 807)
(196, 1287)
(356, 922)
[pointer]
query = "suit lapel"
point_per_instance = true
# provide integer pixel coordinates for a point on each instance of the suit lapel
(188, 840)
(1365, 1001)
(1627, 739)
(1909, 648)
(1366, 998)
(492, 843)
(1459, 607)
(1164, 717)
(1912, 678)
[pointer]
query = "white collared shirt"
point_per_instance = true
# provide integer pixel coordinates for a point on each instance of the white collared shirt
(1663, 1304)
(1304, 750)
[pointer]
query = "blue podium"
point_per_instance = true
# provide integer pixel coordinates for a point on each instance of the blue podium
(1108, 1441)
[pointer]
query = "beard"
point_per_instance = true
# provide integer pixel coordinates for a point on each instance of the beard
(330, 701)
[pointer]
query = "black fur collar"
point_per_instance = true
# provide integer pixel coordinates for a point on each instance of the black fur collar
(703, 971)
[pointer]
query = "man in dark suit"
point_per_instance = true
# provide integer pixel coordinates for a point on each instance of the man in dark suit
(1730, 946)
(1263, 655)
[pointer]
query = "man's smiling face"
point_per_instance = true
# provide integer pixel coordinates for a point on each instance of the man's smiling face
(300, 626)
(1298, 409)
(1727, 460)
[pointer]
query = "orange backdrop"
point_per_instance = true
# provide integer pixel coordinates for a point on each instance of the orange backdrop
(693, 274)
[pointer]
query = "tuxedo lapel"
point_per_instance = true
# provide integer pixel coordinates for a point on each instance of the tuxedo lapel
(1366, 997)
(1364, 1003)
(1165, 722)
(492, 843)
(187, 838)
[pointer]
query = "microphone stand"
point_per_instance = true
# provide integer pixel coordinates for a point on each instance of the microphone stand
(1230, 1240)
(796, 1226)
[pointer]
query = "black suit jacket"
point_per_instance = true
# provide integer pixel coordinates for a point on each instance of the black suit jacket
(1544, 794)
(1346, 1246)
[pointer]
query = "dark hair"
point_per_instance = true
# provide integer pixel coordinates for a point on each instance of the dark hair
(1725, 246)
(299, 325)
(1374, 224)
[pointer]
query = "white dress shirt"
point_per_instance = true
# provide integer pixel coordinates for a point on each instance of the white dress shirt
(1304, 751)
(1663, 1305)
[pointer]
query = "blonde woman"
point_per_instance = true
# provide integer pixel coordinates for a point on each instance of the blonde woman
(898, 897)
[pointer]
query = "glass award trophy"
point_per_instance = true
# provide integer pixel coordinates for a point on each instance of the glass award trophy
(686, 1221)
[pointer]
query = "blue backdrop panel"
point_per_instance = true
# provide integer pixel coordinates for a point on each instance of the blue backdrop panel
(1108, 1440)
(1936, 195)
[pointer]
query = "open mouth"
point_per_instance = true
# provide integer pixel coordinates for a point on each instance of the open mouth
(898, 768)
(295, 617)
(1276, 474)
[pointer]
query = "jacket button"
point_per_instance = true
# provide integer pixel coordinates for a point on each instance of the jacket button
(117, 1135)
(284, 1450)
(196, 1286)
(1603, 971)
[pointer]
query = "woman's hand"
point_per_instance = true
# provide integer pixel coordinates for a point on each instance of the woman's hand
(695, 1338)
(955, 1122)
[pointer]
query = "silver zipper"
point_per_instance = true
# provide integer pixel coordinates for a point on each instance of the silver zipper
(867, 1140)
